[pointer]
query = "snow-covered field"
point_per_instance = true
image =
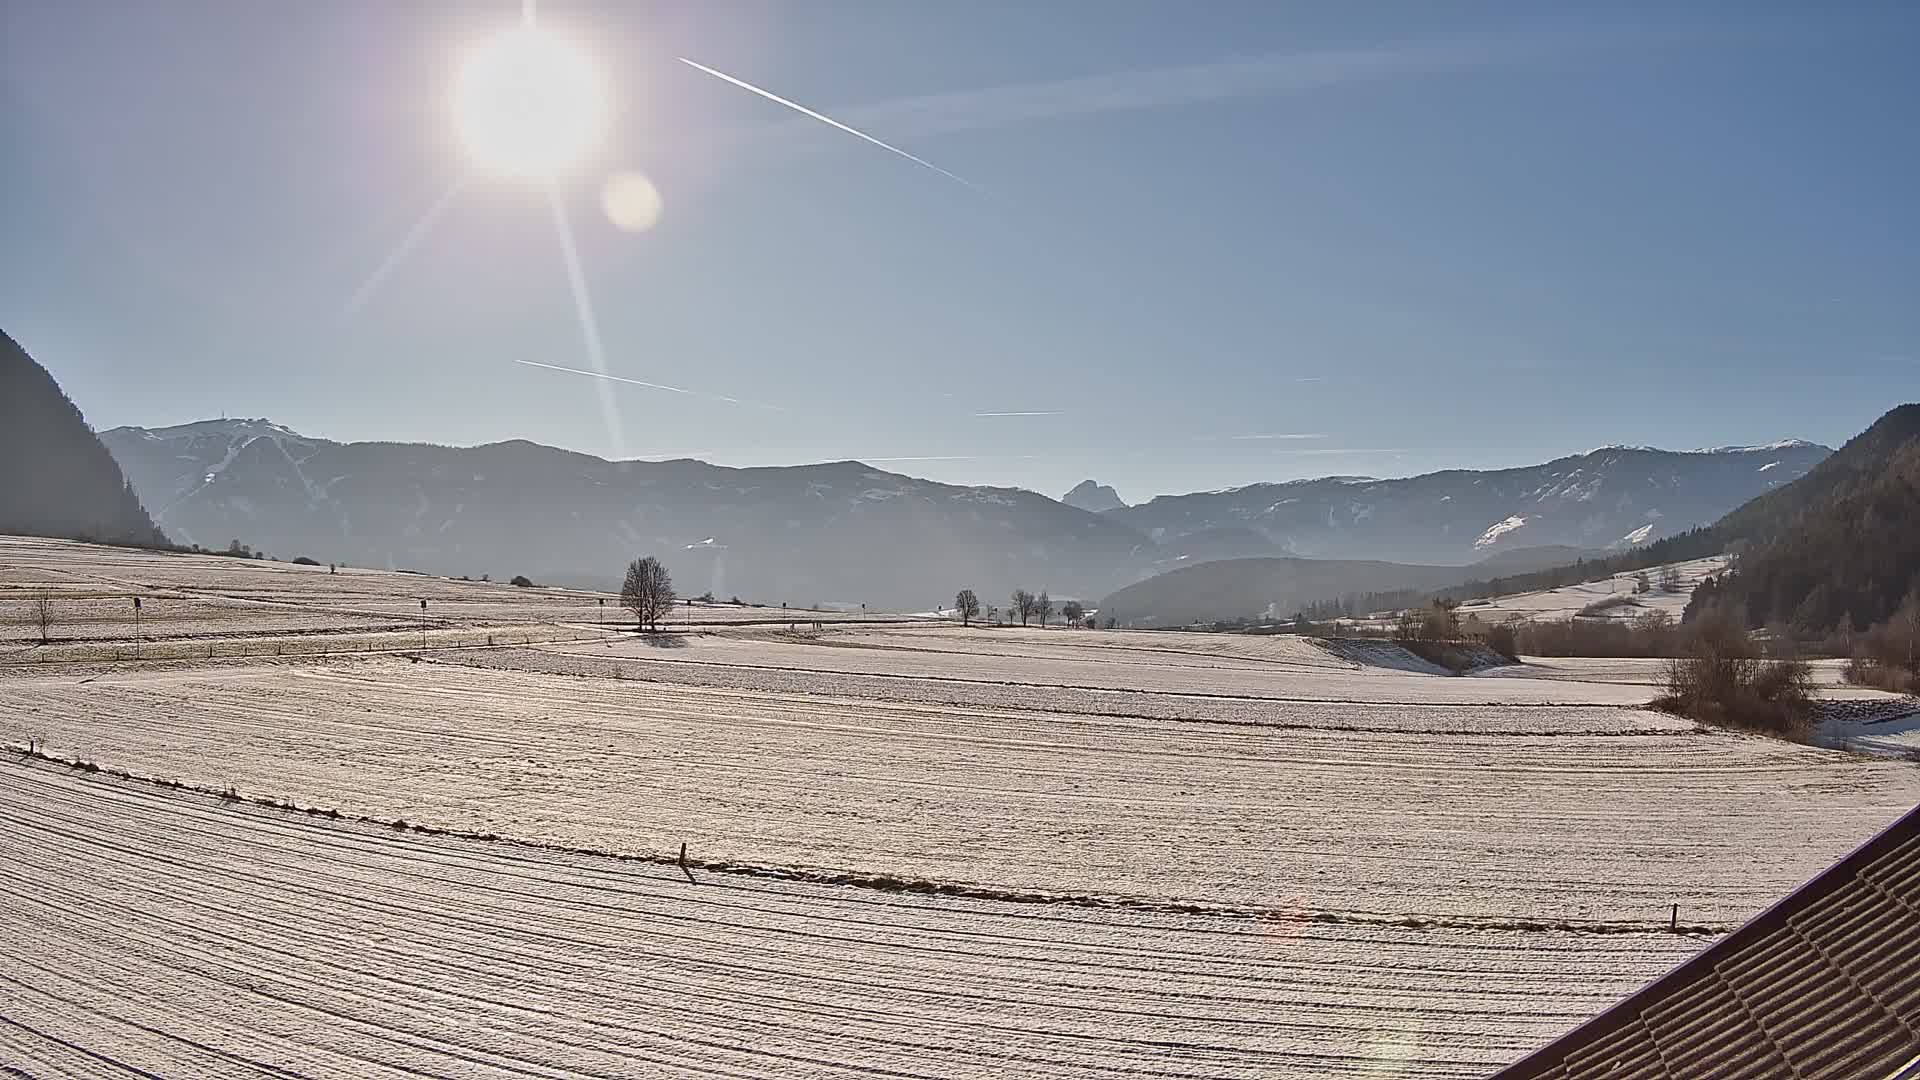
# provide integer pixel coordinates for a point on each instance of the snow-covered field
(1182, 854)
(1297, 670)
(188, 601)
(1553, 813)
(175, 934)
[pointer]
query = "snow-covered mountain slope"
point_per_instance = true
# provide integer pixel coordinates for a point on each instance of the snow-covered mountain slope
(1614, 496)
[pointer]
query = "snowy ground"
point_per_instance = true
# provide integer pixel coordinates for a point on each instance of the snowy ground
(1566, 602)
(172, 933)
(1263, 859)
(188, 601)
(1479, 812)
(1887, 727)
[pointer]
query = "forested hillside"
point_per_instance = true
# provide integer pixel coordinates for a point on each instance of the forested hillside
(55, 477)
(1838, 549)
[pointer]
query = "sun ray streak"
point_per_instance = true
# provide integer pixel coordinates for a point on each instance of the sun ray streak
(589, 326)
(830, 121)
(405, 248)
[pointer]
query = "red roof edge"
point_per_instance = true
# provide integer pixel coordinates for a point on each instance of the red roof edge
(1619, 1015)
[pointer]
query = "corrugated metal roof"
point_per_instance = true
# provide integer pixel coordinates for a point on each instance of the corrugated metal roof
(1824, 985)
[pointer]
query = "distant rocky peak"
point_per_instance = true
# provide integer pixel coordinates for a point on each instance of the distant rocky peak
(1093, 498)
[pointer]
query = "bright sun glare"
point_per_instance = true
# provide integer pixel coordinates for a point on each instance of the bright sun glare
(530, 104)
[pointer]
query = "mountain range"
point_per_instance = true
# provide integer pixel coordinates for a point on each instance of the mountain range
(840, 532)
(846, 532)
(1612, 497)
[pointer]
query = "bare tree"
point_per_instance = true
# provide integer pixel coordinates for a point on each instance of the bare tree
(647, 592)
(1021, 604)
(1043, 607)
(967, 605)
(43, 615)
(1670, 579)
(1072, 611)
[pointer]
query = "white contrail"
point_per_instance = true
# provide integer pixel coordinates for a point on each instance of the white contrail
(407, 243)
(650, 385)
(1168, 87)
(605, 375)
(828, 120)
(589, 326)
(1026, 412)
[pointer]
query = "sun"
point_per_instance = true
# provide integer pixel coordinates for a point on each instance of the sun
(530, 104)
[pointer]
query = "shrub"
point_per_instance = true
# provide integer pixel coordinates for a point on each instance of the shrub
(522, 581)
(1651, 634)
(1866, 671)
(1608, 603)
(302, 560)
(1721, 679)
(1503, 639)
(1435, 622)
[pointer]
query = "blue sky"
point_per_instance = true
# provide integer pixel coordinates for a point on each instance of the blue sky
(1215, 243)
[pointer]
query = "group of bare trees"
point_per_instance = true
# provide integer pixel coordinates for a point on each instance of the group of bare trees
(1028, 606)
(1888, 654)
(647, 591)
(1022, 605)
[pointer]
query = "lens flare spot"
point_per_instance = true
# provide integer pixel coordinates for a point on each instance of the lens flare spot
(631, 201)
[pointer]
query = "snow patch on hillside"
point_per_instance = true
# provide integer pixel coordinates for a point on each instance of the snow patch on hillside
(1499, 529)
(1777, 444)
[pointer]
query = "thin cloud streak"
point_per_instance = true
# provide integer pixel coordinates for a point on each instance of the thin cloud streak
(405, 248)
(1274, 73)
(1027, 412)
(1285, 435)
(1337, 453)
(828, 120)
